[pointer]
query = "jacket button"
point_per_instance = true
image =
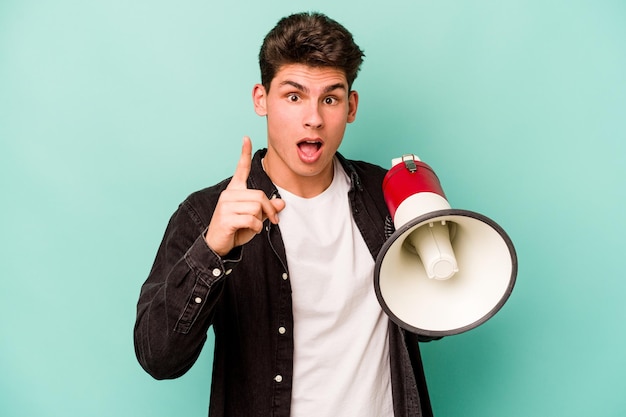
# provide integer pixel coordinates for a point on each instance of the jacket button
(216, 272)
(198, 300)
(282, 330)
(278, 378)
(285, 276)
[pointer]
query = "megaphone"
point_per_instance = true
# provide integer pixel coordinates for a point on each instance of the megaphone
(443, 271)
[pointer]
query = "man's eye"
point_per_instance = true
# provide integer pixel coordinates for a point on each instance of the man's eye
(293, 97)
(330, 100)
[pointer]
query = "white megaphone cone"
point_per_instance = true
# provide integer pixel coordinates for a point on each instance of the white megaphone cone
(443, 271)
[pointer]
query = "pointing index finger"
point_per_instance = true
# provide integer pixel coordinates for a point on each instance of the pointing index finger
(240, 178)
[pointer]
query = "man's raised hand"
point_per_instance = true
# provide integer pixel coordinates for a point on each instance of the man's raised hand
(240, 211)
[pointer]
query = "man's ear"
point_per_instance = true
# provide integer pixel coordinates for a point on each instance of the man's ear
(259, 98)
(353, 104)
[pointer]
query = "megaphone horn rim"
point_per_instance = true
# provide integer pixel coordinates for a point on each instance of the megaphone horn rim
(425, 218)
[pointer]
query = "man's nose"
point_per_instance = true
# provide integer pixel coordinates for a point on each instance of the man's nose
(313, 116)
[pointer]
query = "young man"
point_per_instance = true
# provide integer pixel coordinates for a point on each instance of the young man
(279, 259)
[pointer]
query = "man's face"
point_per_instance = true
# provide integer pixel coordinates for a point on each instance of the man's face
(307, 110)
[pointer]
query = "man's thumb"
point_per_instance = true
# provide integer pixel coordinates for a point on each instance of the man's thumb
(278, 203)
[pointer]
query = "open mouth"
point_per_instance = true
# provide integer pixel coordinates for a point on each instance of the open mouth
(310, 147)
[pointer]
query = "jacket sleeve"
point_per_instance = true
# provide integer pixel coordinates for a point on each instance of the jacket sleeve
(178, 300)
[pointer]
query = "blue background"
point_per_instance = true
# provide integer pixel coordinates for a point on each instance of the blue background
(111, 112)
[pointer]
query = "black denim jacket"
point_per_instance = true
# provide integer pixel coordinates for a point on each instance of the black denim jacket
(246, 297)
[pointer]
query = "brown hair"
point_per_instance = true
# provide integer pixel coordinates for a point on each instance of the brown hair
(311, 39)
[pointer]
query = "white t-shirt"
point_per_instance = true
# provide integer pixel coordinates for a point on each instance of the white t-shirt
(341, 356)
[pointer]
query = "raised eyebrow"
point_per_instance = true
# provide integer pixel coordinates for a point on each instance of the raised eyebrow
(296, 85)
(338, 86)
(328, 89)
